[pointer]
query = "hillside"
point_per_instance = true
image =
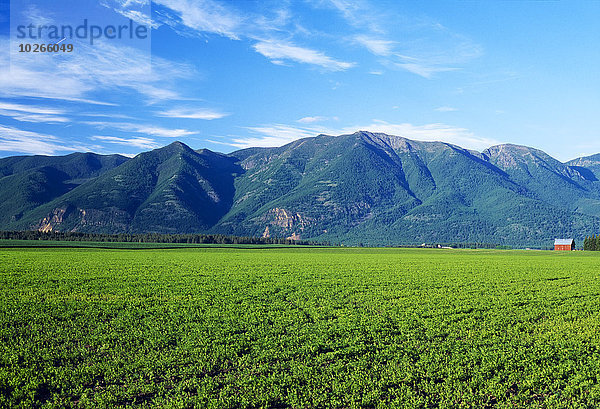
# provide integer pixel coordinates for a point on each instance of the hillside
(27, 182)
(167, 190)
(360, 188)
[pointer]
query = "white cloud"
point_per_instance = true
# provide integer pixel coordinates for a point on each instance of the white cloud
(312, 119)
(224, 19)
(424, 68)
(278, 51)
(210, 17)
(434, 50)
(106, 115)
(430, 132)
(446, 109)
(36, 16)
(140, 142)
(35, 118)
(82, 100)
(17, 140)
(425, 48)
(192, 113)
(136, 10)
(38, 78)
(26, 113)
(273, 135)
(205, 16)
(98, 68)
(376, 46)
(358, 13)
(280, 134)
(106, 66)
(143, 129)
(31, 109)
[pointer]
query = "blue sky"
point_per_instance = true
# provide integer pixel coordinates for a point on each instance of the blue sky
(225, 75)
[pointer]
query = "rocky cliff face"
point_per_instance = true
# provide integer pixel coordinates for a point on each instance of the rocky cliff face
(284, 223)
(54, 220)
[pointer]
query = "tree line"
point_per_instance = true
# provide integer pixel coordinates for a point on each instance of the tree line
(592, 243)
(149, 238)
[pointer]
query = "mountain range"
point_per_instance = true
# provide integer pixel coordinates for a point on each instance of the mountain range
(365, 187)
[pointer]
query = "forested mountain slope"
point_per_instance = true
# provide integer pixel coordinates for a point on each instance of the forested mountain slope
(363, 187)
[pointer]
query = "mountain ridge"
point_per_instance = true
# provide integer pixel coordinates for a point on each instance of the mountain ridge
(364, 187)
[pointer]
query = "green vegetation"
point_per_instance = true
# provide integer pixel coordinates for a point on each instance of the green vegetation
(365, 188)
(27, 182)
(592, 243)
(71, 237)
(169, 190)
(299, 327)
(127, 245)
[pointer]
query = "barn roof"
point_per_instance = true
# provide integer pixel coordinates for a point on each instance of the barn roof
(562, 242)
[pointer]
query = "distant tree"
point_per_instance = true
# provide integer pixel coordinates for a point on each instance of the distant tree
(586, 243)
(149, 238)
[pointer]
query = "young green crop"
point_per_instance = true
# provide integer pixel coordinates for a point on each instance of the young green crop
(298, 327)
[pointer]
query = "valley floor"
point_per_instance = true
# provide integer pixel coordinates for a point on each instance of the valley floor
(298, 327)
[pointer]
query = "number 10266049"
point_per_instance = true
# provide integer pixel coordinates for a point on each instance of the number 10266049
(45, 48)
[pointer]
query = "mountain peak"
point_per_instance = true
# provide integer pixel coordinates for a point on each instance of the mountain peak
(591, 160)
(509, 155)
(511, 148)
(173, 148)
(179, 145)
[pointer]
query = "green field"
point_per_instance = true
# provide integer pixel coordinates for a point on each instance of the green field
(299, 327)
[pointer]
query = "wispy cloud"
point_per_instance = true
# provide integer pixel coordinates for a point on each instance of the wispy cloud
(482, 81)
(192, 113)
(280, 134)
(435, 52)
(375, 45)
(140, 142)
(423, 47)
(278, 51)
(210, 17)
(112, 67)
(430, 132)
(93, 69)
(357, 13)
(105, 115)
(272, 135)
(136, 10)
(423, 68)
(17, 140)
(81, 100)
(141, 128)
(446, 109)
(36, 15)
(28, 113)
(313, 119)
(204, 16)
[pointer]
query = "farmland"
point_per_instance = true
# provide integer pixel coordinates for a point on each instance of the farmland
(298, 327)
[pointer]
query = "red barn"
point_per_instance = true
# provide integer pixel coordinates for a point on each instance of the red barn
(564, 244)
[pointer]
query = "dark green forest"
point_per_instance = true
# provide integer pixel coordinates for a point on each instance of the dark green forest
(149, 238)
